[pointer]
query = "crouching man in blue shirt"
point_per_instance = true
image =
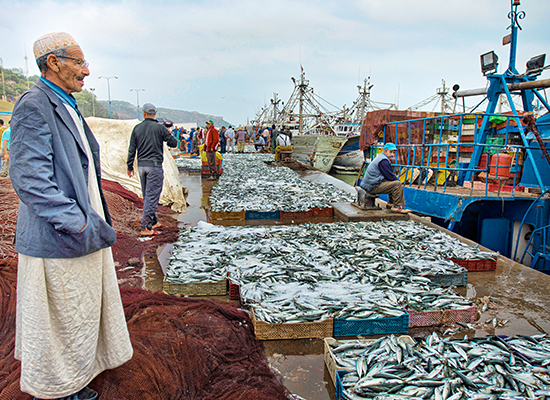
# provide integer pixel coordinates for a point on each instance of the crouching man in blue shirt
(380, 179)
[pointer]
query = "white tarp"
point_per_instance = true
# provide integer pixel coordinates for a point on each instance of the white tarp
(113, 137)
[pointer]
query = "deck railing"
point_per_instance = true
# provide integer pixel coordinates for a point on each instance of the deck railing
(422, 147)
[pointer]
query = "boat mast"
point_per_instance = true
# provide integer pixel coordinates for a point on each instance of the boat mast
(301, 87)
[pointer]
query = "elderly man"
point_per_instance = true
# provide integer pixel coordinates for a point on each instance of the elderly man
(380, 179)
(148, 139)
(211, 141)
(70, 323)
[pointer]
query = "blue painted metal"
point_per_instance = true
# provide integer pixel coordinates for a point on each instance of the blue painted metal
(449, 207)
(540, 257)
(483, 216)
(495, 234)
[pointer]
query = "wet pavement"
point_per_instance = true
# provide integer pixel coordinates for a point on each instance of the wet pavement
(516, 294)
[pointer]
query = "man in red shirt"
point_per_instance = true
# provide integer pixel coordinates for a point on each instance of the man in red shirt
(211, 142)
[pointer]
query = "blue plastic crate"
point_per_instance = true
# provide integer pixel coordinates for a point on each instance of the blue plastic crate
(262, 214)
(379, 326)
(338, 385)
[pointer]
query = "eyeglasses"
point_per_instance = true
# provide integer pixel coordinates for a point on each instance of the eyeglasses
(82, 63)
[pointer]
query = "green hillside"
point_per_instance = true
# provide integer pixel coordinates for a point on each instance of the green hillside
(125, 110)
(15, 84)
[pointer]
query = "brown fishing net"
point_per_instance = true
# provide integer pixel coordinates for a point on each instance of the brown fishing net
(9, 204)
(183, 348)
(189, 349)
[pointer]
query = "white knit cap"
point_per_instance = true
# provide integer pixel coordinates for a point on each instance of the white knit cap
(52, 41)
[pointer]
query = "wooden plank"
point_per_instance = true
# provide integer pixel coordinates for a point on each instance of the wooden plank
(345, 212)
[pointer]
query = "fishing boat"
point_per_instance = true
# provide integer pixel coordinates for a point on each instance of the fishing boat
(321, 133)
(490, 170)
(350, 156)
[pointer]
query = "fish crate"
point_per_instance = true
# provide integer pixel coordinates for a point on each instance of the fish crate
(322, 211)
(339, 388)
(425, 318)
(463, 315)
(442, 317)
(262, 214)
(295, 214)
(448, 280)
(373, 326)
(489, 264)
(228, 215)
(330, 360)
(195, 289)
(233, 290)
(292, 330)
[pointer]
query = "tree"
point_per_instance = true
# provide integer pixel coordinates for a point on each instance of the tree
(84, 100)
(16, 83)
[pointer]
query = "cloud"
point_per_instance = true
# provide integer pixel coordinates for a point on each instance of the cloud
(190, 54)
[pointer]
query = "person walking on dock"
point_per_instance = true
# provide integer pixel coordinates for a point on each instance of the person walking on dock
(230, 137)
(147, 140)
(380, 179)
(70, 323)
(212, 141)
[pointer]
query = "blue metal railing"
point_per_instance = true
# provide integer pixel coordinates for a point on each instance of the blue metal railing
(425, 149)
(543, 251)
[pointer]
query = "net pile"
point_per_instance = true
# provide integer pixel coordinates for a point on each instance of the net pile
(9, 204)
(183, 349)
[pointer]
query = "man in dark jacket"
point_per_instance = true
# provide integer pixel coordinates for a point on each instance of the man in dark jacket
(148, 139)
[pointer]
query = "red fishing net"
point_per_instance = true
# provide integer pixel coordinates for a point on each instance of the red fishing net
(183, 348)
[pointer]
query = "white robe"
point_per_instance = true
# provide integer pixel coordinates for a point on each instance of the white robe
(70, 323)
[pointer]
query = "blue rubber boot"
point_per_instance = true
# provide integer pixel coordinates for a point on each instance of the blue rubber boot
(84, 394)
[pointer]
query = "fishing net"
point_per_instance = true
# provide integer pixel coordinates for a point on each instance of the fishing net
(183, 349)
(9, 204)
(189, 349)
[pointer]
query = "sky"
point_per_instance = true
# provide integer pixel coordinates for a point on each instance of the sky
(227, 58)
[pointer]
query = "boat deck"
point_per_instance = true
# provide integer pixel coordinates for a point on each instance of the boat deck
(470, 192)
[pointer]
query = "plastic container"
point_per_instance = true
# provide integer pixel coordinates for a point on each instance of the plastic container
(292, 330)
(322, 211)
(500, 165)
(295, 214)
(477, 265)
(378, 326)
(262, 214)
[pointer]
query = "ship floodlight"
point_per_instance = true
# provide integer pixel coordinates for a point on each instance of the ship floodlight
(535, 65)
(489, 63)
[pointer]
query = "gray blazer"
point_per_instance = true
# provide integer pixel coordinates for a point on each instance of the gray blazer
(48, 170)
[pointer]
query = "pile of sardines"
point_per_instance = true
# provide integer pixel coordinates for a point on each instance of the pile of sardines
(491, 367)
(193, 164)
(249, 184)
(310, 272)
